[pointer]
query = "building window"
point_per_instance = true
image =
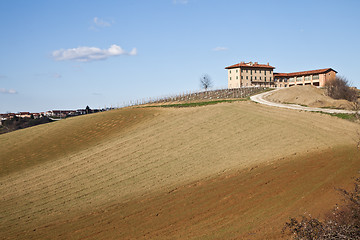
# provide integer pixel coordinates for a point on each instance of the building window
(236, 70)
(230, 78)
(316, 77)
(291, 79)
(299, 79)
(260, 78)
(307, 78)
(237, 77)
(246, 70)
(251, 78)
(259, 71)
(241, 70)
(255, 70)
(247, 77)
(265, 79)
(270, 79)
(230, 71)
(285, 85)
(242, 77)
(255, 77)
(264, 72)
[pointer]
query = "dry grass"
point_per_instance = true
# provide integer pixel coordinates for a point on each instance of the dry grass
(103, 183)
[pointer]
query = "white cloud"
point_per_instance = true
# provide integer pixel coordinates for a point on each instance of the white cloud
(180, 1)
(7, 91)
(217, 49)
(87, 54)
(101, 23)
(98, 23)
(133, 52)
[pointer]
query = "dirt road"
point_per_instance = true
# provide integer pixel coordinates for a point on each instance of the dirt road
(260, 98)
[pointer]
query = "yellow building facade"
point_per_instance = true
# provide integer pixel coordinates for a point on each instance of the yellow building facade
(262, 75)
(250, 75)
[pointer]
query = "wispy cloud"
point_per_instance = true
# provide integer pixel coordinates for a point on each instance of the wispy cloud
(87, 54)
(101, 23)
(217, 49)
(98, 23)
(180, 1)
(7, 91)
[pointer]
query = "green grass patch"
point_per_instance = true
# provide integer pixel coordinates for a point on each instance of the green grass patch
(331, 107)
(350, 117)
(303, 105)
(267, 90)
(198, 104)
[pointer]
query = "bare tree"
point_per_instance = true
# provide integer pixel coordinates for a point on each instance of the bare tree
(338, 88)
(87, 110)
(205, 82)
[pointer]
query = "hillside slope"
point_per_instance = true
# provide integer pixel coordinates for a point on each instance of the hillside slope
(97, 189)
(36, 145)
(309, 96)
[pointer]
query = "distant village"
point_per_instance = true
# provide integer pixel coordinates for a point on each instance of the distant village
(52, 114)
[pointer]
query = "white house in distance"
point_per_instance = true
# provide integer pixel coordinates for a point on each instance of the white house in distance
(253, 74)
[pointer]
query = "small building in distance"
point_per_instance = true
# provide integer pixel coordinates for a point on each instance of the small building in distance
(313, 77)
(261, 75)
(250, 75)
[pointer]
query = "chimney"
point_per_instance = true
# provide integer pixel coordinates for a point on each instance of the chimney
(268, 63)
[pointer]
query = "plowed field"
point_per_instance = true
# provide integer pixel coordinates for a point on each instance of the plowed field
(224, 171)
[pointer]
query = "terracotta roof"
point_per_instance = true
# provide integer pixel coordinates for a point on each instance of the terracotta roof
(251, 65)
(294, 74)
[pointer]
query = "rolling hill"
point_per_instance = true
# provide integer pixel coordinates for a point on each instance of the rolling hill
(223, 171)
(310, 96)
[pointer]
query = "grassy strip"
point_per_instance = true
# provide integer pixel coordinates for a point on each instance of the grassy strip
(267, 90)
(330, 107)
(350, 117)
(197, 104)
(303, 105)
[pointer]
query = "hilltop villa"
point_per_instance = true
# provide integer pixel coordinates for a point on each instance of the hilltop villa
(253, 74)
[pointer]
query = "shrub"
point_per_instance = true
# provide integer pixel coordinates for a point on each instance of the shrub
(342, 222)
(338, 88)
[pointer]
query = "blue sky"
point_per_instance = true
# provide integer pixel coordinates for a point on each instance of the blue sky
(69, 54)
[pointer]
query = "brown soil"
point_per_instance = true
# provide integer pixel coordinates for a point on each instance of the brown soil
(309, 96)
(252, 203)
(221, 171)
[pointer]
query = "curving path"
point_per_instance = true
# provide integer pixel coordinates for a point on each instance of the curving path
(259, 98)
